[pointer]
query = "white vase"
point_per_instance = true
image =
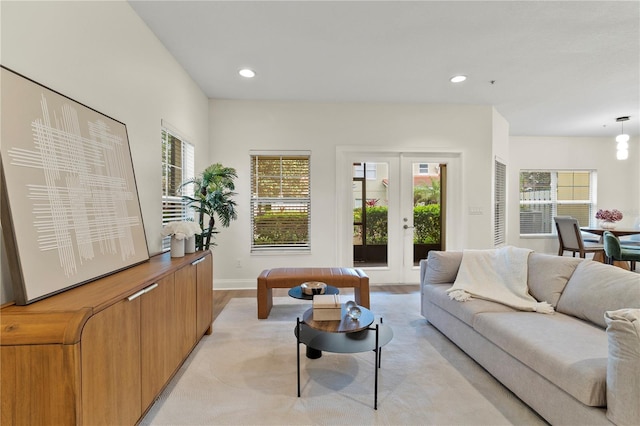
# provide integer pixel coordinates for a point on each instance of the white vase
(177, 247)
(607, 225)
(190, 244)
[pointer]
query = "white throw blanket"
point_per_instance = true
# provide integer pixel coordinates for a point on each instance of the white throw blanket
(498, 275)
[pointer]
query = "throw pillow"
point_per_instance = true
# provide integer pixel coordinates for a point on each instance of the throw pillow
(595, 288)
(548, 275)
(442, 266)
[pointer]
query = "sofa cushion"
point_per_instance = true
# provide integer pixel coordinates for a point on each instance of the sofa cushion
(595, 288)
(548, 275)
(570, 353)
(464, 311)
(442, 266)
(623, 368)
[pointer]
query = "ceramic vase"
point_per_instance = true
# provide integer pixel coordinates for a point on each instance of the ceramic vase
(605, 224)
(190, 244)
(177, 247)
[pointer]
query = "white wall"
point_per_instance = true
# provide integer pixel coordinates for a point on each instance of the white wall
(239, 126)
(102, 55)
(618, 181)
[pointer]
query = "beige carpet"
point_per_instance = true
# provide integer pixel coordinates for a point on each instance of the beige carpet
(245, 374)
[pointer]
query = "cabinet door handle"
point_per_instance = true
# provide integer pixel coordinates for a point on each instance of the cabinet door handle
(136, 295)
(151, 287)
(195, 262)
(141, 292)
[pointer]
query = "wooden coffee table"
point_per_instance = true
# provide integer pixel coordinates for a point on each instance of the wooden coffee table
(344, 336)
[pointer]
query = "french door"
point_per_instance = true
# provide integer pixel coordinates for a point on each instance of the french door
(396, 213)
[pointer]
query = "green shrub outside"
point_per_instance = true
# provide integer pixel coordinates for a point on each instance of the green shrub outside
(280, 228)
(291, 228)
(426, 220)
(376, 224)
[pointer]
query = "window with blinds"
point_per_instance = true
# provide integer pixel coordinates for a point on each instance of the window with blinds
(546, 194)
(500, 211)
(178, 159)
(280, 201)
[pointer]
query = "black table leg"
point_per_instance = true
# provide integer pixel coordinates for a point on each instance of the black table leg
(377, 366)
(298, 353)
(313, 353)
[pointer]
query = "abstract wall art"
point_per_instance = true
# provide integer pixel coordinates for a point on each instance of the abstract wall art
(70, 207)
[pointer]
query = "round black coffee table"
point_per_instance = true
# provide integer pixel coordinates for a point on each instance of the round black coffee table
(343, 336)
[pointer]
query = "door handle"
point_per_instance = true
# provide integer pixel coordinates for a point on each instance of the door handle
(408, 227)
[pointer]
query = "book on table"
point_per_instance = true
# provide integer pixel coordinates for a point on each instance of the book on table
(327, 307)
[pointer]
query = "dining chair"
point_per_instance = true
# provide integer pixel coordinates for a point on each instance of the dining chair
(570, 238)
(615, 251)
(587, 237)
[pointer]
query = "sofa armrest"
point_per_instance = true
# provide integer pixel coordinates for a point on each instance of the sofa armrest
(423, 270)
(623, 366)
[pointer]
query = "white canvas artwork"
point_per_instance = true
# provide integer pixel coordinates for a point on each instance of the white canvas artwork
(70, 205)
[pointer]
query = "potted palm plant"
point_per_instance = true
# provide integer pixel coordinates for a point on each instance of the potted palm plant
(213, 197)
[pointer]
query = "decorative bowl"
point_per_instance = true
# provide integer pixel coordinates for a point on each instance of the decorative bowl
(313, 287)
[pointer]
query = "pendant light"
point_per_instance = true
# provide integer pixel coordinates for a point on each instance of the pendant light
(623, 141)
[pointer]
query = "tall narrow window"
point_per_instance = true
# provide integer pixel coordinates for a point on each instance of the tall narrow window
(500, 213)
(280, 200)
(178, 158)
(545, 194)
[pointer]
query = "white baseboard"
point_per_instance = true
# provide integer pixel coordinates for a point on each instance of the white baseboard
(230, 284)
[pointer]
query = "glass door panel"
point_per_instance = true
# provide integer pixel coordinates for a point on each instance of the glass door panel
(421, 204)
(370, 214)
(426, 209)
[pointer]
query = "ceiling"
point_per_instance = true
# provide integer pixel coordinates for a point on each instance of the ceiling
(551, 68)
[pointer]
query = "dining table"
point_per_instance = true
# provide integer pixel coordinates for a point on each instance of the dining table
(618, 232)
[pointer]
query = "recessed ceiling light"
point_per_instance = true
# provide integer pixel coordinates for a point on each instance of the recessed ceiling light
(247, 73)
(458, 78)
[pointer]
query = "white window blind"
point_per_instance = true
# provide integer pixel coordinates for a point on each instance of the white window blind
(500, 213)
(545, 194)
(280, 201)
(178, 159)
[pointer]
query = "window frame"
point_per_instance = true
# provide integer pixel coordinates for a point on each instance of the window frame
(553, 200)
(173, 206)
(297, 203)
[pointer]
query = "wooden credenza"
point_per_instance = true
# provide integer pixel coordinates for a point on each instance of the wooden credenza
(101, 353)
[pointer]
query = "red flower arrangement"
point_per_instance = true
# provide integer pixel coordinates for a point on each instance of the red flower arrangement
(609, 215)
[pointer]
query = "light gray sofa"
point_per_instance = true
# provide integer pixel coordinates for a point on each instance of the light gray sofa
(577, 366)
